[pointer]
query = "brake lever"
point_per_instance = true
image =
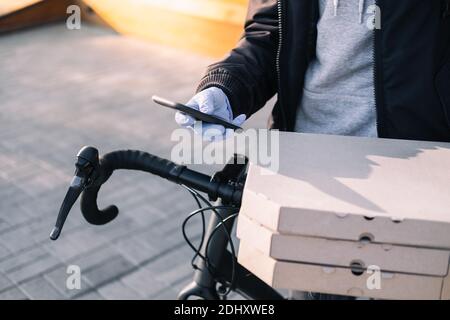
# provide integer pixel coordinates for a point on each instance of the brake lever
(85, 173)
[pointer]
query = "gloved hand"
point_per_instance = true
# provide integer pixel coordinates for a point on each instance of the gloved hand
(215, 102)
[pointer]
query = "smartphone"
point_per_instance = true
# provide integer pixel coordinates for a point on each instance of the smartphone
(197, 115)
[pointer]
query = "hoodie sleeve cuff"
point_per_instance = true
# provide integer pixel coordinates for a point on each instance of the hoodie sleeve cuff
(230, 85)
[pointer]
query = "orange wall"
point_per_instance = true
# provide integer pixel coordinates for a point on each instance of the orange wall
(210, 27)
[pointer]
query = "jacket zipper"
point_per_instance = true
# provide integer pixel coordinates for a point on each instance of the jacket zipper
(375, 69)
(277, 62)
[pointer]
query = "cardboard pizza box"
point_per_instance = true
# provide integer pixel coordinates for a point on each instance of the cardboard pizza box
(341, 281)
(351, 188)
(342, 253)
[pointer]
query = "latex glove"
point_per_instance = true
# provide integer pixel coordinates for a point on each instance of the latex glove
(215, 102)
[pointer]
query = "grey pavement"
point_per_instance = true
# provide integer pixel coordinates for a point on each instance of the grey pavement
(60, 90)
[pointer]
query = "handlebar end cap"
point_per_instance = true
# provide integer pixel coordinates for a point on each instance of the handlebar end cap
(55, 233)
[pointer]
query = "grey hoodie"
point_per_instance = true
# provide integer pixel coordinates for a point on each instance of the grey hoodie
(338, 95)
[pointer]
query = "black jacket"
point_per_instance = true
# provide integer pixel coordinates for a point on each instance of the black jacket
(411, 63)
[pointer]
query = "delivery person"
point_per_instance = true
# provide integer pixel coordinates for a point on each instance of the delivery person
(373, 68)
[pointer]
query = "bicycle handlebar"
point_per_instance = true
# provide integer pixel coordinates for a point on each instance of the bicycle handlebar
(92, 172)
(143, 161)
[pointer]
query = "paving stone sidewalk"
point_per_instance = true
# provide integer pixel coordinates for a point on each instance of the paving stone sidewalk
(60, 90)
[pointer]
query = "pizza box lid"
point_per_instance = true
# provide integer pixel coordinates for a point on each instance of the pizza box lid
(352, 188)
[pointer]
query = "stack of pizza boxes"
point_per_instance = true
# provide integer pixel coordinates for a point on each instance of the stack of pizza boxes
(350, 216)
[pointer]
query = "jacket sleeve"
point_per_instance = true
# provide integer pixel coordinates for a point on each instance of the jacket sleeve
(248, 74)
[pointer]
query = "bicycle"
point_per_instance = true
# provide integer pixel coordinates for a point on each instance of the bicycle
(216, 270)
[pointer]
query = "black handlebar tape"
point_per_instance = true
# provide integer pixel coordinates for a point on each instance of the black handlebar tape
(123, 159)
(143, 161)
(90, 210)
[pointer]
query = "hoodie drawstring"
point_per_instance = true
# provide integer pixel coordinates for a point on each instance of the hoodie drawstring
(336, 5)
(360, 9)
